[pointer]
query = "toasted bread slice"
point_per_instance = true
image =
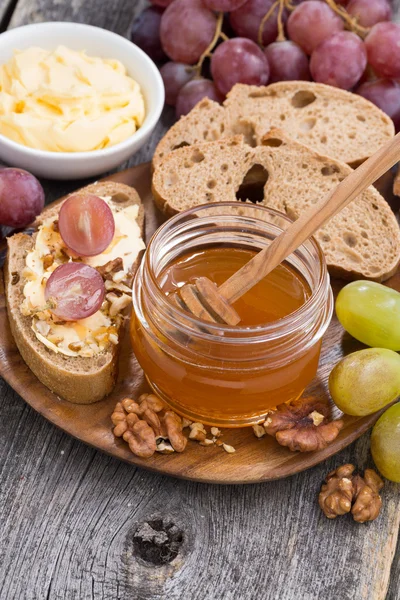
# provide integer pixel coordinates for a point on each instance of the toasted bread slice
(330, 120)
(81, 380)
(363, 241)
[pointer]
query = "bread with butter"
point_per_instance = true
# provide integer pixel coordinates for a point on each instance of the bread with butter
(362, 241)
(79, 379)
(330, 120)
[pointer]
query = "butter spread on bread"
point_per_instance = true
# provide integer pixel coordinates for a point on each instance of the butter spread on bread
(90, 373)
(93, 334)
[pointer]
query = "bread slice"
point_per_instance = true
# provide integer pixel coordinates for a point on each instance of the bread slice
(78, 379)
(330, 120)
(363, 241)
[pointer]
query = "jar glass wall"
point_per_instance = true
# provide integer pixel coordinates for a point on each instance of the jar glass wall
(222, 375)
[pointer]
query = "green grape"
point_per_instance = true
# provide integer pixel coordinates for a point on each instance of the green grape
(365, 381)
(370, 312)
(385, 443)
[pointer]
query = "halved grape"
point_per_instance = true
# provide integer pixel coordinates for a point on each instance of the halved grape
(187, 29)
(385, 443)
(366, 381)
(370, 12)
(86, 224)
(238, 61)
(76, 291)
(193, 92)
(340, 60)
(311, 23)
(383, 49)
(246, 20)
(21, 197)
(175, 76)
(223, 5)
(370, 312)
(145, 33)
(385, 93)
(287, 62)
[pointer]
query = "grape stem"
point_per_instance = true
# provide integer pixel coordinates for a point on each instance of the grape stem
(208, 51)
(265, 19)
(281, 32)
(350, 22)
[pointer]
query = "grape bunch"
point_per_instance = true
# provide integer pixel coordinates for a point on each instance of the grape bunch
(205, 47)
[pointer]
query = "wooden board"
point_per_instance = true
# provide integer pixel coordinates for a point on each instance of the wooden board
(68, 513)
(254, 461)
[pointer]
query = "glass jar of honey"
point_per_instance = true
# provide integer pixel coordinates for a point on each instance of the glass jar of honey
(215, 373)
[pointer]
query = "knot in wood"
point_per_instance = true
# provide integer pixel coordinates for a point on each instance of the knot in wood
(158, 541)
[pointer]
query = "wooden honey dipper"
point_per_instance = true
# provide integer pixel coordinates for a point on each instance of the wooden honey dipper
(207, 301)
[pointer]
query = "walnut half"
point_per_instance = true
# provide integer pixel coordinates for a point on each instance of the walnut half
(343, 492)
(337, 492)
(148, 426)
(303, 425)
(367, 501)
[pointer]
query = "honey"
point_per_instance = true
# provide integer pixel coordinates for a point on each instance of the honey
(221, 375)
(280, 293)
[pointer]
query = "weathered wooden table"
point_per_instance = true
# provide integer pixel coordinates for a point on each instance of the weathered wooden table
(73, 521)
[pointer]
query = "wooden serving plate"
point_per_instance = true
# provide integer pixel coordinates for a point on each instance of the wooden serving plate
(255, 460)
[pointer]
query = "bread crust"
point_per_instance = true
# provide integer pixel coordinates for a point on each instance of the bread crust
(89, 379)
(361, 242)
(332, 121)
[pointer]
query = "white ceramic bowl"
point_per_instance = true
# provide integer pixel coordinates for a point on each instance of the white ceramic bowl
(96, 42)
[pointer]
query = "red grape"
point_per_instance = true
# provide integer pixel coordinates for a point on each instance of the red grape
(193, 92)
(187, 29)
(383, 48)
(246, 20)
(311, 23)
(86, 224)
(76, 289)
(385, 93)
(223, 5)
(370, 12)
(175, 76)
(21, 197)
(287, 62)
(145, 33)
(162, 3)
(339, 60)
(238, 61)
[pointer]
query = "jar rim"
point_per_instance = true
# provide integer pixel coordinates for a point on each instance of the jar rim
(214, 329)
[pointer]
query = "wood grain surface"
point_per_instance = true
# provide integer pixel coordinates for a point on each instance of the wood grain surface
(74, 522)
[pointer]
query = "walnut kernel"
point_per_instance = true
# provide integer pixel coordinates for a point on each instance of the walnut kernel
(343, 492)
(197, 432)
(228, 448)
(294, 425)
(118, 303)
(259, 431)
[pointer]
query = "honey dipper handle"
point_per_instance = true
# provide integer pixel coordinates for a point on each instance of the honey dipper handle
(311, 220)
